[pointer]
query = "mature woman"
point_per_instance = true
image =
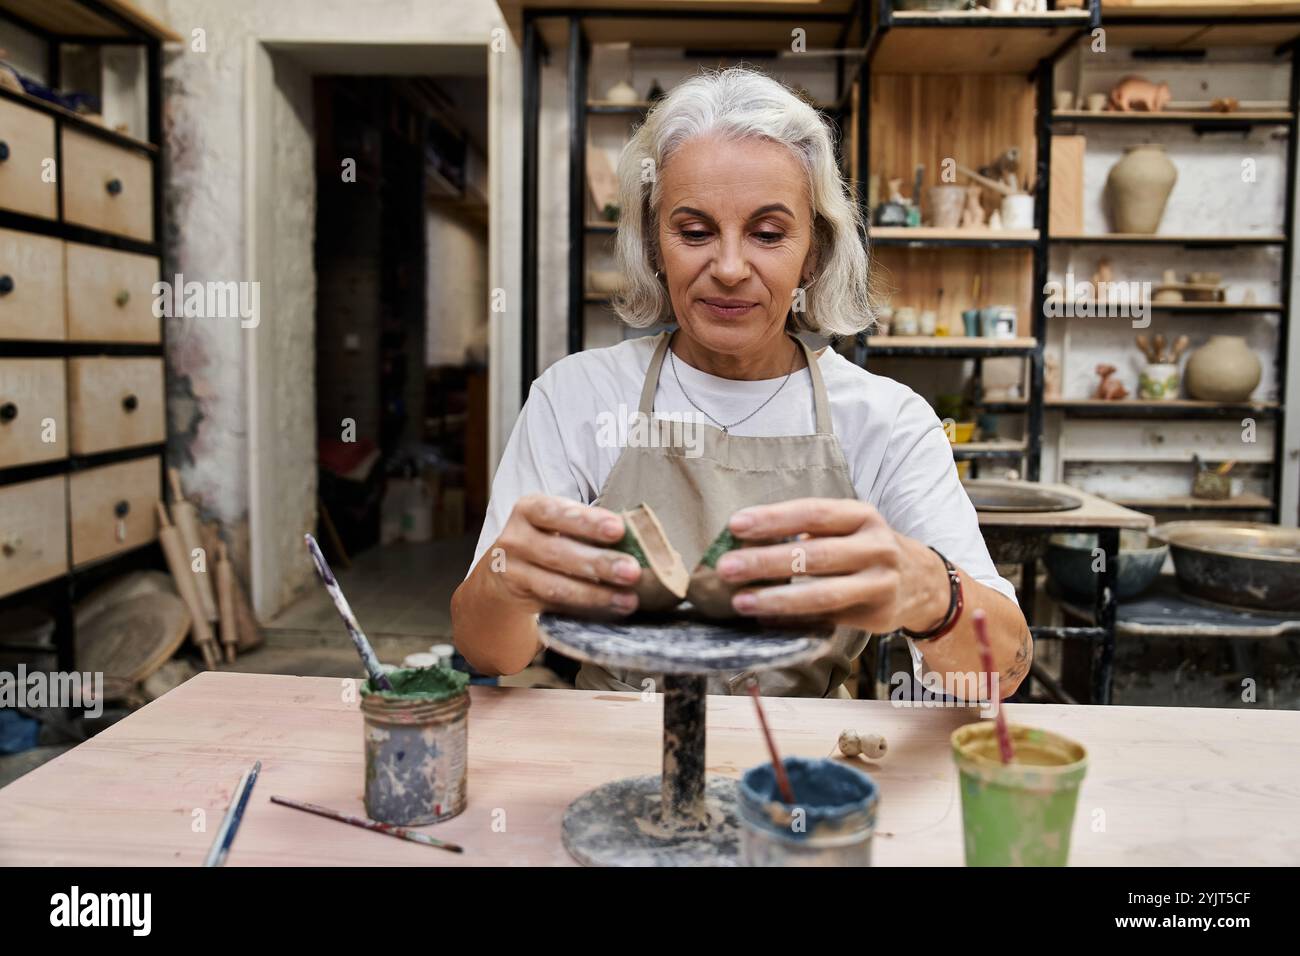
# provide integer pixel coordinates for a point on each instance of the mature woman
(737, 227)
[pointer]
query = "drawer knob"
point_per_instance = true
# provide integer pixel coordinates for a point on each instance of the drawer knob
(11, 545)
(4, 151)
(122, 298)
(130, 403)
(8, 412)
(6, 284)
(114, 187)
(122, 509)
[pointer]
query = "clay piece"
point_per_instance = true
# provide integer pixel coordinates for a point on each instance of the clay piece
(711, 595)
(1138, 93)
(853, 743)
(664, 577)
(972, 216)
(1109, 389)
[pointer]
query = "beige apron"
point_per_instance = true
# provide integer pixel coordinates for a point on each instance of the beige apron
(695, 490)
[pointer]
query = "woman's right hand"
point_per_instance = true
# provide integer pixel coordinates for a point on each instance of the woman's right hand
(555, 554)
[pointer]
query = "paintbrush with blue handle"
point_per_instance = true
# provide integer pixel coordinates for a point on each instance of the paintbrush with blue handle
(378, 678)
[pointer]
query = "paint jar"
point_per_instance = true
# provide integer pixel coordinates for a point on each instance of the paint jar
(416, 739)
(1017, 814)
(831, 823)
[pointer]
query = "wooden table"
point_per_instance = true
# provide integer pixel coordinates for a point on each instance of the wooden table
(1178, 786)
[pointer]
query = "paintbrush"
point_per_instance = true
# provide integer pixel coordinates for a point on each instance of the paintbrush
(782, 781)
(234, 816)
(986, 655)
(402, 833)
(377, 677)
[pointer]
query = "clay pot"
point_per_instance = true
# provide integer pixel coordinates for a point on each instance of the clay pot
(664, 577)
(946, 204)
(1158, 382)
(1138, 188)
(1222, 370)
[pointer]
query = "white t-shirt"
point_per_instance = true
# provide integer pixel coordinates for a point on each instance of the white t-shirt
(899, 458)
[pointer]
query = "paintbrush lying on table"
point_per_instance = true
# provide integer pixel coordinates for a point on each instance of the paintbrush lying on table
(402, 833)
(377, 677)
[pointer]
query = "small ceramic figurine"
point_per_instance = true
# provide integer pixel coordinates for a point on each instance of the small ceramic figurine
(1109, 389)
(972, 217)
(1137, 93)
(1052, 376)
(1103, 279)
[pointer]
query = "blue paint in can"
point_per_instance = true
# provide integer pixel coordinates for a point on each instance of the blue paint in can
(831, 824)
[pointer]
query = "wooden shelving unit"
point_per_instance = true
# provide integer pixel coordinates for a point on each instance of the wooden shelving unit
(1162, 239)
(1174, 32)
(82, 251)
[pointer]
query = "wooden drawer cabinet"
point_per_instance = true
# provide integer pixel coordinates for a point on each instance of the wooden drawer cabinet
(31, 287)
(110, 295)
(33, 411)
(26, 143)
(106, 186)
(33, 533)
(113, 508)
(115, 403)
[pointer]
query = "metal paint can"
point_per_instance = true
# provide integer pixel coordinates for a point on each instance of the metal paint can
(832, 825)
(416, 757)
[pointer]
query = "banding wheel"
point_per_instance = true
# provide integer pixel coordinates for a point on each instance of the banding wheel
(682, 816)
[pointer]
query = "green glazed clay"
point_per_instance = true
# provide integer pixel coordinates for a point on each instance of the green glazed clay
(422, 683)
(664, 577)
(711, 595)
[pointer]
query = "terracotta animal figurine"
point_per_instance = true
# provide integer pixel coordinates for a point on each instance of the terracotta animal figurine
(1109, 389)
(1134, 93)
(972, 216)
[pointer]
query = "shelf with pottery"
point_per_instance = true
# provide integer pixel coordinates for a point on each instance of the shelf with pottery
(970, 41)
(1161, 408)
(763, 26)
(1241, 502)
(1139, 238)
(1219, 120)
(949, 345)
(924, 237)
(1195, 25)
(639, 107)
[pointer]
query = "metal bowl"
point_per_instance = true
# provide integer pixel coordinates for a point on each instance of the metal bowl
(1069, 561)
(1241, 563)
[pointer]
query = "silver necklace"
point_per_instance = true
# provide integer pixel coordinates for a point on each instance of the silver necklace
(726, 428)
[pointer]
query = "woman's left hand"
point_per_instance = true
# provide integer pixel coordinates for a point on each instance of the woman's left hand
(861, 573)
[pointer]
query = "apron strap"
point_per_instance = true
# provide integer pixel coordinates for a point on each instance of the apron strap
(821, 404)
(647, 406)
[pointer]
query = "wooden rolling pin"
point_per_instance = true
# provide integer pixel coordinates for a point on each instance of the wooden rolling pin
(186, 518)
(246, 627)
(178, 562)
(226, 601)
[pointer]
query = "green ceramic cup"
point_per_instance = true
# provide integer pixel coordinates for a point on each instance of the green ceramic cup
(1017, 814)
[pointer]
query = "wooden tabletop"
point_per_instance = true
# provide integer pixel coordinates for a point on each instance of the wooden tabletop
(1096, 512)
(1176, 786)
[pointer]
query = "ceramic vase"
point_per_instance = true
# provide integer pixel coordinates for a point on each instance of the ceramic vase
(1158, 381)
(1138, 188)
(1224, 369)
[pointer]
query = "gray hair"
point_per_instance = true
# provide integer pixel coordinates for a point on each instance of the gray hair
(739, 103)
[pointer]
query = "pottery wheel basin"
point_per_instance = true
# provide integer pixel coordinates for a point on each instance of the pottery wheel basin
(1013, 496)
(1239, 563)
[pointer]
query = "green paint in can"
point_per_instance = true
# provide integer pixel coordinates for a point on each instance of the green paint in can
(1017, 814)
